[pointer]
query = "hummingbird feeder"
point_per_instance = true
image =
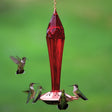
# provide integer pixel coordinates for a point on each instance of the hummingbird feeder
(55, 41)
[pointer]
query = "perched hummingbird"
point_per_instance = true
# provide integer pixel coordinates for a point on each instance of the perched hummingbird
(38, 94)
(20, 62)
(62, 101)
(31, 92)
(78, 93)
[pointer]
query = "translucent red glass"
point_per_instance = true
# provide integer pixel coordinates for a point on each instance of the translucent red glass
(55, 41)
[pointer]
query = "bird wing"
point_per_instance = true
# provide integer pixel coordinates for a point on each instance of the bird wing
(28, 98)
(15, 60)
(81, 95)
(36, 93)
(18, 58)
(37, 96)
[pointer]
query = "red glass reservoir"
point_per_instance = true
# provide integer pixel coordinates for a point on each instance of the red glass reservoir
(55, 41)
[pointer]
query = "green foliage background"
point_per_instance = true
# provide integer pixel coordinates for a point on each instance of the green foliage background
(87, 57)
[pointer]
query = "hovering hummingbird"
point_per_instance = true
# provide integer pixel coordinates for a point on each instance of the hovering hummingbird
(20, 62)
(38, 94)
(31, 92)
(78, 93)
(63, 101)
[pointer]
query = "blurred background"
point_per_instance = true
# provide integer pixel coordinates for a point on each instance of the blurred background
(87, 56)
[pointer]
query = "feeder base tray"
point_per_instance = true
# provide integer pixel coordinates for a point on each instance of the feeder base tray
(52, 98)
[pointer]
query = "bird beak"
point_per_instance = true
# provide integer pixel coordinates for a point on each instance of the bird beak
(35, 83)
(70, 85)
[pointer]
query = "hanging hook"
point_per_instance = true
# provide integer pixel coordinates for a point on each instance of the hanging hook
(54, 5)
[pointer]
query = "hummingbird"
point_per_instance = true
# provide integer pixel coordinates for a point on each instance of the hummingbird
(31, 92)
(20, 62)
(78, 93)
(62, 105)
(38, 94)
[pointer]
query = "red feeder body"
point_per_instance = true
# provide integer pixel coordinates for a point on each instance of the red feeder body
(55, 41)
